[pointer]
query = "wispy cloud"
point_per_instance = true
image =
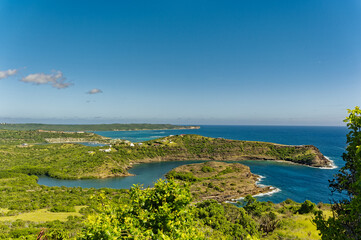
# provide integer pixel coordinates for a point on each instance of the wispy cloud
(94, 91)
(57, 80)
(8, 73)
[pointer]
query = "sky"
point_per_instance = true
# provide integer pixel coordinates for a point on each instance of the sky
(245, 62)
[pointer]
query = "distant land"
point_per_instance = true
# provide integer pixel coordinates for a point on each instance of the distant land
(92, 127)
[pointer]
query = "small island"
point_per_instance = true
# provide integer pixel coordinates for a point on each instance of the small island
(220, 181)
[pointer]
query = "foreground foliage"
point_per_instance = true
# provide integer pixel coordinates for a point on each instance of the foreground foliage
(165, 212)
(346, 221)
(154, 213)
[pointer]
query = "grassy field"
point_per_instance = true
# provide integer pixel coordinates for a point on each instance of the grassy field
(296, 226)
(42, 215)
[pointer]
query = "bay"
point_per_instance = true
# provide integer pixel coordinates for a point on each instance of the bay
(294, 181)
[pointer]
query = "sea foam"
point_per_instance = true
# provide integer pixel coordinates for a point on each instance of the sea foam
(333, 165)
(260, 178)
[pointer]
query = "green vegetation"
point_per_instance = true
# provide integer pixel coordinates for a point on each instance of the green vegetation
(164, 212)
(154, 213)
(19, 153)
(346, 220)
(261, 220)
(43, 215)
(91, 127)
(26, 207)
(66, 161)
(205, 148)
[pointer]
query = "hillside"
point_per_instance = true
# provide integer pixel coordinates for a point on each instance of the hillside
(195, 147)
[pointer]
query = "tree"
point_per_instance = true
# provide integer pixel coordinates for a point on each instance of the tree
(231, 221)
(153, 213)
(346, 220)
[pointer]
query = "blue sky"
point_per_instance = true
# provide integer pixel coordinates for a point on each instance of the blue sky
(185, 62)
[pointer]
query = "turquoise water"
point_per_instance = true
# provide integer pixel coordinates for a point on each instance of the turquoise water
(91, 144)
(296, 182)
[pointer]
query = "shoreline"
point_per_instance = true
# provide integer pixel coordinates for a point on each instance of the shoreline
(240, 160)
(260, 177)
(149, 161)
(332, 166)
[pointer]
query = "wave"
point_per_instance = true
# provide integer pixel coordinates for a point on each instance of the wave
(260, 178)
(333, 165)
(274, 190)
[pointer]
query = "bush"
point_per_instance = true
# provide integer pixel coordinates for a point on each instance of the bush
(206, 169)
(252, 206)
(230, 220)
(306, 207)
(62, 208)
(184, 176)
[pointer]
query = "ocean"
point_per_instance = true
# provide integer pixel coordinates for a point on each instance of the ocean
(296, 182)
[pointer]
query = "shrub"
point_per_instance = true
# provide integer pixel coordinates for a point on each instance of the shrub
(230, 220)
(184, 176)
(206, 169)
(62, 208)
(306, 207)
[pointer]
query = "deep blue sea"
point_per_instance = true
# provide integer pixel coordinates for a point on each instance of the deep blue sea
(293, 181)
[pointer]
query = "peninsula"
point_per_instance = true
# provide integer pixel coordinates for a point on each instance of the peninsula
(218, 180)
(20, 152)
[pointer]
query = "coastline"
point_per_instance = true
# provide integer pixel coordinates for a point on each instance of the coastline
(160, 159)
(332, 165)
(260, 177)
